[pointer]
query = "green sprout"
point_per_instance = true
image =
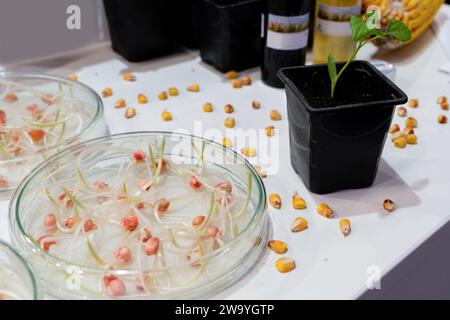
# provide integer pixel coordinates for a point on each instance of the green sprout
(362, 34)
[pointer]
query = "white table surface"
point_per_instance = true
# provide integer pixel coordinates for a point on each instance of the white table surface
(328, 265)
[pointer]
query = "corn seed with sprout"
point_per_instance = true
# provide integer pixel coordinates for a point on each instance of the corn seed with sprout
(277, 246)
(275, 200)
(400, 142)
(411, 122)
(444, 106)
(166, 116)
(249, 152)
(230, 122)
(325, 211)
(285, 264)
(256, 104)
(442, 119)
(413, 103)
(407, 131)
(128, 76)
(246, 81)
(107, 92)
(120, 103)
(163, 96)
(229, 108)
(232, 74)
(261, 172)
(193, 87)
(73, 77)
(345, 227)
(142, 98)
(389, 205)
(227, 142)
(275, 115)
(270, 131)
(236, 83)
(173, 92)
(298, 203)
(402, 112)
(299, 224)
(411, 139)
(130, 113)
(394, 128)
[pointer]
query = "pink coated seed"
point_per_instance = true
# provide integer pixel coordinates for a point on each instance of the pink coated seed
(123, 254)
(198, 220)
(69, 222)
(130, 222)
(114, 286)
(10, 97)
(194, 183)
(214, 232)
(89, 225)
(224, 186)
(145, 235)
(50, 221)
(151, 246)
(33, 107)
(163, 205)
(101, 185)
(3, 182)
(138, 156)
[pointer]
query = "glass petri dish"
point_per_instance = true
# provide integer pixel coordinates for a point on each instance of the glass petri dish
(16, 278)
(149, 215)
(39, 115)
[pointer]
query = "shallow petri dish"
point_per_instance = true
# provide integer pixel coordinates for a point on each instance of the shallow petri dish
(149, 215)
(17, 281)
(39, 115)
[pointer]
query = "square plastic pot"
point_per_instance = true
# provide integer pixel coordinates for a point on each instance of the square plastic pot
(230, 33)
(338, 146)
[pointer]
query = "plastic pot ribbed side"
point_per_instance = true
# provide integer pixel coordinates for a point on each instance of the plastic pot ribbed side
(338, 148)
(230, 33)
(140, 30)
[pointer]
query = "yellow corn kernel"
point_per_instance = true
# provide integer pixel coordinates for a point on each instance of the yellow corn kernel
(163, 96)
(275, 200)
(231, 75)
(261, 172)
(400, 142)
(120, 103)
(128, 76)
(73, 77)
(193, 88)
(277, 246)
(246, 81)
(275, 115)
(389, 205)
(229, 108)
(402, 112)
(408, 131)
(285, 264)
(442, 119)
(166, 116)
(107, 92)
(413, 103)
(270, 131)
(444, 105)
(298, 202)
(230, 122)
(397, 134)
(299, 224)
(256, 104)
(441, 100)
(227, 142)
(236, 83)
(325, 211)
(173, 92)
(345, 227)
(142, 98)
(411, 139)
(394, 128)
(207, 107)
(249, 152)
(411, 122)
(130, 113)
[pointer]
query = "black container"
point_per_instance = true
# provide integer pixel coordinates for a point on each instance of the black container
(140, 30)
(336, 144)
(230, 33)
(184, 27)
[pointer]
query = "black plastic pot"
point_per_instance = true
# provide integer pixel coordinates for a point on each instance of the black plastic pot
(140, 30)
(230, 33)
(336, 144)
(184, 28)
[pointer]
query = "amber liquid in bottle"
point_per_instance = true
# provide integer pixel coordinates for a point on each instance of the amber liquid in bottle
(332, 32)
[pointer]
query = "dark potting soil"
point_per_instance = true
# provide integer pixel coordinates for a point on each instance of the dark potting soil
(357, 85)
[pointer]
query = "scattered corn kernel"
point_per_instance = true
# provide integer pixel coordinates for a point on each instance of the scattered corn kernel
(277, 246)
(166, 116)
(299, 224)
(128, 76)
(256, 104)
(236, 83)
(396, 135)
(227, 142)
(442, 119)
(413, 103)
(411, 122)
(231, 75)
(249, 152)
(285, 264)
(389, 205)
(142, 98)
(270, 131)
(261, 172)
(441, 100)
(173, 92)
(345, 227)
(120, 103)
(229, 108)
(275, 200)
(325, 211)
(394, 128)
(407, 131)
(444, 105)
(411, 139)
(208, 107)
(275, 115)
(73, 77)
(193, 88)
(230, 122)
(107, 92)
(402, 112)
(298, 202)
(163, 96)
(400, 142)
(246, 81)
(130, 113)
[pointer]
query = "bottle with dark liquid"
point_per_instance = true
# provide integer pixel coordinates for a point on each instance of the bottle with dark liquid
(285, 37)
